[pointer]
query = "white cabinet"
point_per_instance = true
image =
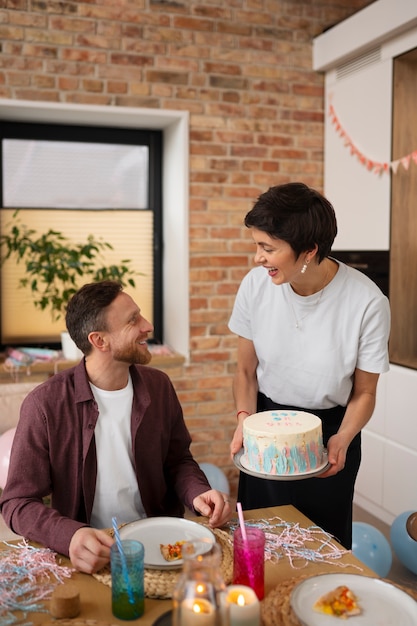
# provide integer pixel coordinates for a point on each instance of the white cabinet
(387, 483)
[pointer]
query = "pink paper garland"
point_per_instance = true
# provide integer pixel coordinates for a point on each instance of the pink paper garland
(376, 166)
(28, 576)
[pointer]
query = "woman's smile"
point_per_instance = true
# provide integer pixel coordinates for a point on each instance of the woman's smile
(272, 271)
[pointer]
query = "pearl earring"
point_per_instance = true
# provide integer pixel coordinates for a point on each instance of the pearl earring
(303, 269)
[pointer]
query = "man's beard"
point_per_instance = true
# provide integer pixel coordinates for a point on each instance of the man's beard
(132, 356)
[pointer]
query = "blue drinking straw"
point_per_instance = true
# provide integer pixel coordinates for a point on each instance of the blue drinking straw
(123, 560)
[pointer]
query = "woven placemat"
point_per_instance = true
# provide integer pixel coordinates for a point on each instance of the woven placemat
(276, 607)
(161, 583)
(77, 622)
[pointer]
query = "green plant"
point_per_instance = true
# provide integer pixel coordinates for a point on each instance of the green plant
(54, 265)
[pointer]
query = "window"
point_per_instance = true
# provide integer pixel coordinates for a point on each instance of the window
(174, 126)
(82, 179)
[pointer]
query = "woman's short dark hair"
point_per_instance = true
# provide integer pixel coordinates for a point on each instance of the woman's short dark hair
(86, 311)
(297, 214)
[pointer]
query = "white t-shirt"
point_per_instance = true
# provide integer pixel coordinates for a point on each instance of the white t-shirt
(345, 327)
(117, 493)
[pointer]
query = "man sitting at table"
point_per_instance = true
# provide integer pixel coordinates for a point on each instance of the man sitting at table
(104, 438)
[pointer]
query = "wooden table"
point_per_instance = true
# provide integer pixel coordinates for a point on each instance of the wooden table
(96, 597)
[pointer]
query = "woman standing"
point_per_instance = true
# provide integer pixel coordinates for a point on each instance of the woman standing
(312, 336)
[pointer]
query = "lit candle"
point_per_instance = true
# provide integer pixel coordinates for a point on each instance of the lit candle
(244, 606)
(197, 612)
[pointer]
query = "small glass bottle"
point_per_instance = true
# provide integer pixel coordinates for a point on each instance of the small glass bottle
(199, 598)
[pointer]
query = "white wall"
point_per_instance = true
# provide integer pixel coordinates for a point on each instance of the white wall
(362, 102)
(357, 56)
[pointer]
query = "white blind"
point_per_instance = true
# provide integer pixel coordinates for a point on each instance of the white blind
(65, 174)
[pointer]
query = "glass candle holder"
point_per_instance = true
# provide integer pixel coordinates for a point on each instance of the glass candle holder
(127, 580)
(249, 559)
(199, 598)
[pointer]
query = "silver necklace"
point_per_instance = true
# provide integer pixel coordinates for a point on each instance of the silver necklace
(298, 321)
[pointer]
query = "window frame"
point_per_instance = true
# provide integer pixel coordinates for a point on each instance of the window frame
(79, 133)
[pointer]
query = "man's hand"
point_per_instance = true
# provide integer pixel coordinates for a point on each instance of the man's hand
(215, 505)
(89, 549)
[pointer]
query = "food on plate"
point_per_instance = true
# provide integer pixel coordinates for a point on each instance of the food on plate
(283, 442)
(340, 602)
(172, 551)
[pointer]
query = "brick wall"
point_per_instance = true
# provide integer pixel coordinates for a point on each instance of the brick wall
(242, 68)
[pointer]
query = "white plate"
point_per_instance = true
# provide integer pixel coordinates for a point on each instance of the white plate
(382, 604)
(241, 462)
(153, 531)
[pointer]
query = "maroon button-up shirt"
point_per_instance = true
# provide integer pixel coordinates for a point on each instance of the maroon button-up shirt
(54, 454)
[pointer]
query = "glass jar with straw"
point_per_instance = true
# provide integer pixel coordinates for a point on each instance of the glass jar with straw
(249, 556)
(127, 577)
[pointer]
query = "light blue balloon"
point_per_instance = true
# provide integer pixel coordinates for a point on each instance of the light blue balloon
(371, 547)
(403, 545)
(216, 477)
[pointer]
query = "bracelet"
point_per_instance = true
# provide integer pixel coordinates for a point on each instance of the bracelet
(239, 412)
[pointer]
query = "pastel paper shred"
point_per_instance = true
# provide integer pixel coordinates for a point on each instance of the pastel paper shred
(299, 545)
(28, 575)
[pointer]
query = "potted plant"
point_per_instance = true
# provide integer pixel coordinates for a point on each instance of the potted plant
(55, 267)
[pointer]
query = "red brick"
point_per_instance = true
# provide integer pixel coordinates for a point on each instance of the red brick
(11, 32)
(48, 36)
(35, 94)
(193, 23)
(138, 60)
(68, 83)
(88, 99)
(72, 24)
(114, 86)
(18, 79)
(43, 81)
(83, 56)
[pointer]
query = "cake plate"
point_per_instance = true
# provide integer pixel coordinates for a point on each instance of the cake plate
(240, 461)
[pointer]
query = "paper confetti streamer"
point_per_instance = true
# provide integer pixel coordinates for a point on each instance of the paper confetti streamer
(28, 575)
(299, 545)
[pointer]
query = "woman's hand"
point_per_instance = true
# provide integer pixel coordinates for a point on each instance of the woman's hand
(336, 454)
(358, 412)
(237, 441)
(245, 389)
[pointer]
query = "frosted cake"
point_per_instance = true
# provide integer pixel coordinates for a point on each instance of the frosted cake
(282, 442)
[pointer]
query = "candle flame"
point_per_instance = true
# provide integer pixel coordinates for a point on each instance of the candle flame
(201, 607)
(241, 600)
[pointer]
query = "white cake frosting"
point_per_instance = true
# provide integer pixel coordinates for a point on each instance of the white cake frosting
(282, 442)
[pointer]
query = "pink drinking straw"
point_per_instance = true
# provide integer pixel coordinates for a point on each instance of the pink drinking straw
(245, 543)
(242, 523)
